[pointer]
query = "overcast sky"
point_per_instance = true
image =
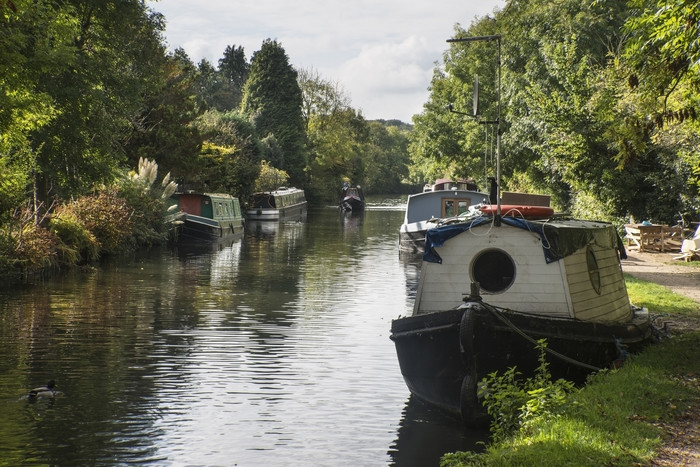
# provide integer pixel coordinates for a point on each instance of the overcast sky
(381, 52)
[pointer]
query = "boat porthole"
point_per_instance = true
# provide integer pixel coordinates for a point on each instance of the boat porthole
(494, 270)
(593, 271)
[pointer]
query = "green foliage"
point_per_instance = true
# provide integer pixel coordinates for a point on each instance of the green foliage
(385, 158)
(36, 40)
(338, 143)
(77, 244)
(25, 246)
(513, 402)
(615, 419)
(105, 215)
(132, 214)
(107, 62)
(336, 136)
(147, 203)
(582, 117)
(222, 89)
(664, 45)
(273, 101)
(230, 158)
(270, 178)
(163, 130)
(344, 146)
(14, 179)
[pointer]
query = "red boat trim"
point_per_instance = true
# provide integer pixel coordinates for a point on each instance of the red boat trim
(524, 212)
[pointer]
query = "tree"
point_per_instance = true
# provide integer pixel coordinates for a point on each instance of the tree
(573, 127)
(270, 178)
(234, 69)
(230, 157)
(444, 143)
(336, 136)
(661, 62)
(162, 130)
(208, 84)
(106, 68)
(386, 158)
(36, 41)
(664, 49)
(273, 101)
(222, 88)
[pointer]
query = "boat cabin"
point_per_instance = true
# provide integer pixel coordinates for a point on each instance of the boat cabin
(559, 268)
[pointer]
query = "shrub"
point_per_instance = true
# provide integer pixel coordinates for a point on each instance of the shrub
(148, 204)
(78, 245)
(36, 249)
(25, 247)
(512, 401)
(105, 215)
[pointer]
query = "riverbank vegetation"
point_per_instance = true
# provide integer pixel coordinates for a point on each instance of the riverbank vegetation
(599, 106)
(618, 417)
(128, 214)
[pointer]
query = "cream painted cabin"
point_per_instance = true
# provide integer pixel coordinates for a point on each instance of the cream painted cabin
(587, 284)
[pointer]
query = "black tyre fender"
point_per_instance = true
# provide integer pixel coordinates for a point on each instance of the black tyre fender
(466, 335)
(473, 412)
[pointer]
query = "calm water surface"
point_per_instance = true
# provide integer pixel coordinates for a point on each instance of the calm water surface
(270, 350)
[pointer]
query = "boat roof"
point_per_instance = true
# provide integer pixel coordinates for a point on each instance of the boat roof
(210, 195)
(559, 237)
(283, 190)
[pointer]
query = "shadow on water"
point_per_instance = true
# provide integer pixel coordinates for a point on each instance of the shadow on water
(426, 433)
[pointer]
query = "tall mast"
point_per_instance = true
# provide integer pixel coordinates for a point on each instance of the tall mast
(497, 121)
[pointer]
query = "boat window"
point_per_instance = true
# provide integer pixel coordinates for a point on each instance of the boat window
(449, 208)
(593, 271)
(494, 270)
(462, 206)
(453, 207)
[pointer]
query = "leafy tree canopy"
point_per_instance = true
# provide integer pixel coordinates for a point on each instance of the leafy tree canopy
(586, 115)
(272, 99)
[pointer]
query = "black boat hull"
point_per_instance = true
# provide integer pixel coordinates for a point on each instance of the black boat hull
(352, 204)
(200, 229)
(443, 355)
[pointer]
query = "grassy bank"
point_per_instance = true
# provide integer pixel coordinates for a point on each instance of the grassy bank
(617, 417)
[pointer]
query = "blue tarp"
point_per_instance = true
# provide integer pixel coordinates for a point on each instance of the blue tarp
(559, 239)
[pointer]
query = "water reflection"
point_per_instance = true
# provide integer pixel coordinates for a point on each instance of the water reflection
(272, 349)
(425, 433)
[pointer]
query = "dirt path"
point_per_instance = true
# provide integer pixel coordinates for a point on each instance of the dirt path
(682, 446)
(662, 269)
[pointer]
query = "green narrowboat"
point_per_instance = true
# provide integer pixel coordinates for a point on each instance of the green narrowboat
(207, 216)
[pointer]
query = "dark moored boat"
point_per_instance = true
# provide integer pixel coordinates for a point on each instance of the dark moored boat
(207, 216)
(352, 199)
(525, 280)
(283, 204)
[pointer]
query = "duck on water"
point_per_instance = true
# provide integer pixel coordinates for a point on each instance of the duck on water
(43, 392)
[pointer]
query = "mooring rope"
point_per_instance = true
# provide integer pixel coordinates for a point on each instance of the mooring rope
(520, 332)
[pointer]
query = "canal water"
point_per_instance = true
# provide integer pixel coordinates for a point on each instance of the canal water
(270, 350)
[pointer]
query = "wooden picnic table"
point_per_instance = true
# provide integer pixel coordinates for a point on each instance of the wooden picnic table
(653, 237)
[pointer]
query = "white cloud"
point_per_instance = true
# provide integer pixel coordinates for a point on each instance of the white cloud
(382, 52)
